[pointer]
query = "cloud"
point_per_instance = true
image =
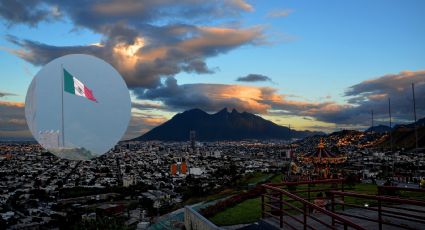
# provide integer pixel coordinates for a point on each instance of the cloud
(279, 13)
(242, 5)
(95, 14)
(29, 12)
(141, 123)
(146, 40)
(213, 97)
(361, 99)
(387, 84)
(12, 120)
(147, 105)
(209, 97)
(373, 95)
(254, 78)
(170, 96)
(142, 64)
(5, 94)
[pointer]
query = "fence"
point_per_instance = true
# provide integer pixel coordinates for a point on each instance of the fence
(291, 210)
(407, 212)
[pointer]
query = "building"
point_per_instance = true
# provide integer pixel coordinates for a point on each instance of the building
(128, 181)
(183, 167)
(173, 169)
(49, 139)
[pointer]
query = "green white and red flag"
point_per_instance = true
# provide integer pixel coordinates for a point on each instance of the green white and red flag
(74, 86)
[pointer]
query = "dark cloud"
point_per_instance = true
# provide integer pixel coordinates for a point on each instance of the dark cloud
(141, 123)
(147, 40)
(147, 106)
(4, 94)
(40, 54)
(96, 14)
(24, 11)
(361, 98)
(143, 65)
(209, 97)
(254, 78)
(373, 95)
(12, 120)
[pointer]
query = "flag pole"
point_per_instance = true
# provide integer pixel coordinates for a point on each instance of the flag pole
(63, 126)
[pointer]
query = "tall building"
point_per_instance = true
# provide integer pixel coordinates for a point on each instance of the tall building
(192, 137)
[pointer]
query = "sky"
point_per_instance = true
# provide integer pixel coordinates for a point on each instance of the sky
(317, 65)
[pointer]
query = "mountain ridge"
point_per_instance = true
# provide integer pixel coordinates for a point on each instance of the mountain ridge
(222, 125)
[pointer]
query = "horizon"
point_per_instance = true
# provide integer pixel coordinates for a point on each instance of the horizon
(394, 125)
(319, 67)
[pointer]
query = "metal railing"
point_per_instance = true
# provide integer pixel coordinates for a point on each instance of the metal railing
(313, 186)
(293, 211)
(383, 189)
(384, 206)
(291, 206)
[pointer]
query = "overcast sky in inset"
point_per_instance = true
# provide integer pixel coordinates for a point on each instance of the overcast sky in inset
(94, 126)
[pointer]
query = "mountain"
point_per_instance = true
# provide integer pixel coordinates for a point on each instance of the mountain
(419, 123)
(379, 129)
(404, 137)
(223, 125)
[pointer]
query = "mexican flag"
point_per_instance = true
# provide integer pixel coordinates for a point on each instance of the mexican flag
(74, 86)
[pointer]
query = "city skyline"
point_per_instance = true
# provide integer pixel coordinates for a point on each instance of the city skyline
(315, 66)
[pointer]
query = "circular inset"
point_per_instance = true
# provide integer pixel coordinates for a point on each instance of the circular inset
(77, 107)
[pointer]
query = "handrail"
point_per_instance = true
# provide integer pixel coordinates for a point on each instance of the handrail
(322, 210)
(278, 190)
(327, 181)
(380, 198)
(401, 188)
(379, 209)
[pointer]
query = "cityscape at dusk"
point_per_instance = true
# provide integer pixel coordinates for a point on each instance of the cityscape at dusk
(242, 114)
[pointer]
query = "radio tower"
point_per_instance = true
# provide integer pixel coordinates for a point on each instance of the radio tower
(391, 127)
(414, 115)
(391, 135)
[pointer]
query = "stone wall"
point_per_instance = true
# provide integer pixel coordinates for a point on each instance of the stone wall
(195, 221)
